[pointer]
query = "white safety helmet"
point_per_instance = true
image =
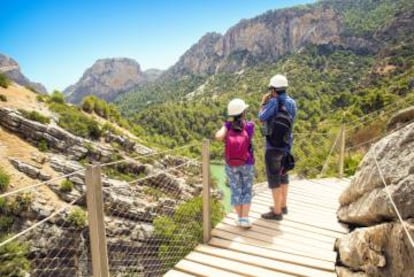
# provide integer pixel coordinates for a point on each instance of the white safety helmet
(278, 81)
(236, 107)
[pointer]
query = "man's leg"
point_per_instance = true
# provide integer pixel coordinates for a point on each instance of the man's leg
(273, 164)
(283, 201)
(284, 186)
(277, 194)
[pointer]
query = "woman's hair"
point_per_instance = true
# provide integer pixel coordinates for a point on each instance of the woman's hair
(237, 123)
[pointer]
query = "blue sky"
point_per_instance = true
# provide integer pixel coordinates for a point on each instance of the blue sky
(56, 41)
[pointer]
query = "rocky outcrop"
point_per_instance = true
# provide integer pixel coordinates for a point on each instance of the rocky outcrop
(11, 69)
(382, 247)
(59, 139)
(401, 118)
(266, 38)
(29, 170)
(106, 79)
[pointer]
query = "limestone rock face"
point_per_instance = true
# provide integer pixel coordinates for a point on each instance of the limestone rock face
(365, 201)
(12, 70)
(109, 77)
(382, 248)
(265, 39)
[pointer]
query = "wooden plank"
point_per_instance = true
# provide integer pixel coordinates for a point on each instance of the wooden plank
(284, 245)
(298, 205)
(312, 221)
(202, 270)
(305, 220)
(229, 265)
(273, 254)
(288, 230)
(307, 215)
(266, 263)
(299, 225)
(331, 195)
(324, 202)
(320, 183)
(176, 273)
(285, 235)
(320, 200)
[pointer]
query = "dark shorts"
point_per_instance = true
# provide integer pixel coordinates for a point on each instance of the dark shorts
(273, 161)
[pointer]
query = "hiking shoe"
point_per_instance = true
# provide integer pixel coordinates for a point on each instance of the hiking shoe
(273, 216)
(245, 223)
(237, 222)
(284, 209)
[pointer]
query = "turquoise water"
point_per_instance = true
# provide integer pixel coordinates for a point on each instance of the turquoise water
(217, 172)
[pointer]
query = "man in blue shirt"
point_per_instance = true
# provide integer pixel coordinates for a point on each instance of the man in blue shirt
(277, 181)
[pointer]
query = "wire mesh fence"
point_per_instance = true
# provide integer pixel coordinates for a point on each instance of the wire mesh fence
(152, 209)
(42, 238)
(146, 236)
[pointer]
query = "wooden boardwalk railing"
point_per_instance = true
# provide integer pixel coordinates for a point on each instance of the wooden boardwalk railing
(302, 244)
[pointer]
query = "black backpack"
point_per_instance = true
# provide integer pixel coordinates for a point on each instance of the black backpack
(280, 128)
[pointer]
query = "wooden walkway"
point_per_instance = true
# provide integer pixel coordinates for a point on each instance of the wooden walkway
(299, 245)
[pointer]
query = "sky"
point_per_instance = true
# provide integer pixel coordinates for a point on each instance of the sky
(55, 41)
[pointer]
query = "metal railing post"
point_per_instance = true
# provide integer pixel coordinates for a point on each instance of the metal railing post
(206, 192)
(97, 232)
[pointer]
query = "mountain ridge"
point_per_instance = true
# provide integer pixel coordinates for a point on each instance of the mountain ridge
(108, 77)
(12, 71)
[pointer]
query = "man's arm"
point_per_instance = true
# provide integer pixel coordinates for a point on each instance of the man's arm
(268, 110)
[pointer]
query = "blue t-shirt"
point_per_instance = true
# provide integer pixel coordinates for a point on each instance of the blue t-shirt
(271, 108)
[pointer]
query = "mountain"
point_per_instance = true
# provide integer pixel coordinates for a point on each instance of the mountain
(343, 59)
(265, 39)
(363, 27)
(107, 78)
(11, 69)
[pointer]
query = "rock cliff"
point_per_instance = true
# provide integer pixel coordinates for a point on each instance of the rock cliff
(107, 78)
(12, 70)
(380, 247)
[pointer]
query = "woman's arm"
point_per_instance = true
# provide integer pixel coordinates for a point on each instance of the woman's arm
(221, 134)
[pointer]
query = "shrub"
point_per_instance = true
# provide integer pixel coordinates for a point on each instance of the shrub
(3, 98)
(20, 203)
(88, 104)
(4, 81)
(5, 223)
(77, 217)
(35, 116)
(4, 180)
(42, 98)
(57, 97)
(66, 186)
(14, 260)
(183, 231)
(42, 145)
(74, 121)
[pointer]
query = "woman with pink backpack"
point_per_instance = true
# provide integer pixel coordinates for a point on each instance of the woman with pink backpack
(237, 134)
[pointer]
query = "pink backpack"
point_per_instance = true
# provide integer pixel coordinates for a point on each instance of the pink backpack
(237, 146)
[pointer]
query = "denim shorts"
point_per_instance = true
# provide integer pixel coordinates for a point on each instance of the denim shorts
(241, 183)
(275, 176)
